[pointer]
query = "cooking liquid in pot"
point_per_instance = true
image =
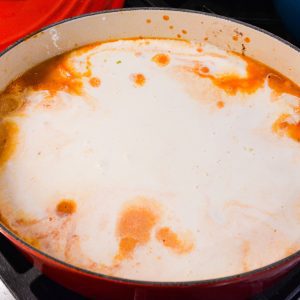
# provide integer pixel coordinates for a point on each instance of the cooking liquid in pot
(153, 159)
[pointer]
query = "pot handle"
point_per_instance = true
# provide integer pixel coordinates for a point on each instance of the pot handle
(140, 294)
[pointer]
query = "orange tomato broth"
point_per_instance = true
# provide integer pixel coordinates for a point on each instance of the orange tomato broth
(257, 72)
(8, 140)
(134, 227)
(172, 240)
(95, 82)
(161, 59)
(283, 127)
(57, 74)
(139, 79)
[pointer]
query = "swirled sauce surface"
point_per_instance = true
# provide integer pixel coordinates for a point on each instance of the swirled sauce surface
(153, 159)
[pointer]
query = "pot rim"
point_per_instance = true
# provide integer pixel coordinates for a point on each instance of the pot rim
(212, 281)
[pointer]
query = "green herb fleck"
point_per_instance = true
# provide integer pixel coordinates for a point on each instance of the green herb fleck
(118, 62)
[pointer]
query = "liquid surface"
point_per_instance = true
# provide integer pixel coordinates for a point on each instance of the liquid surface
(153, 159)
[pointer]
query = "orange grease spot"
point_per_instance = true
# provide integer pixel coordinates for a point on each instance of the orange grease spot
(66, 207)
(220, 104)
(282, 126)
(57, 73)
(247, 39)
(184, 31)
(257, 73)
(199, 50)
(280, 84)
(178, 35)
(206, 38)
(171, 27)
(293, 131)
(148, 21)
(166, 18)
(204, 69)
(126, 248)
(161, 59)
(8, 140)
(139, 79)
(95, 82)
(235, 37)
(171, 240)
(135, 225)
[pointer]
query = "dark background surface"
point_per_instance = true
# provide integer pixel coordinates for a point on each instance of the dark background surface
(261, 13)
(27, 283)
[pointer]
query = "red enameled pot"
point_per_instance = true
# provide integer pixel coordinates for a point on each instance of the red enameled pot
(19, 18)
(83, 30)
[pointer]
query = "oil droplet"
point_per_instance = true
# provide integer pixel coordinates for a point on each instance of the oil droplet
(166, 18)
(148, 21)
(95, 82)
(66, 207)
(171, 240)
(139, 79)
(161, 59)
(135, 225)
(220, 104)
(204, 69)
(247, 39)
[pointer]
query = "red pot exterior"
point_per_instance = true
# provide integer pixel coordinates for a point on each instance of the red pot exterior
(98, 287)
(20, 18)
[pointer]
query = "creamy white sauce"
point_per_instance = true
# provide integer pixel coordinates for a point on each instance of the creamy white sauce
(222, 175)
